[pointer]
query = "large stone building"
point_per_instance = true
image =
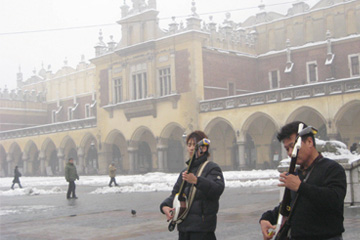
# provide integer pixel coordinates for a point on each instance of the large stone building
(239, 82)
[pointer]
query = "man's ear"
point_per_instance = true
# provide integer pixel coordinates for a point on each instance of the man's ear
(309, 141)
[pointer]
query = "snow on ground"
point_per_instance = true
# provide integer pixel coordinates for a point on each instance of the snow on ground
(150, 182)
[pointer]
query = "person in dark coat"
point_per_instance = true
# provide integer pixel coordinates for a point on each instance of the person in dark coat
(70, 176)
(200, 222)
(319, 209)
(17, 176)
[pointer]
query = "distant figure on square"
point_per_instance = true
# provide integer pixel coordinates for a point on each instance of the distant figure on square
(70, 176)
(112, 174)
(17, 176)
(353, 148)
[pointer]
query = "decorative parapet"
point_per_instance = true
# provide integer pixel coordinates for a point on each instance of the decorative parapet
(320, 89)
(49, 128)
(142, 107)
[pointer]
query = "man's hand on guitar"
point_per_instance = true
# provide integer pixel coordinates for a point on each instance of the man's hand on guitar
(168, 212)
(290, 181)
(265, 227)
(189, 177)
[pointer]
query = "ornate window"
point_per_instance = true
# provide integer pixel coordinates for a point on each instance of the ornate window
(53, 116)
(274, 78)
(312, 72)
(231, 89)
(354, 65)
(70, 114)
(165, 81)
(87, 111)
(117, 90)
(139, 85)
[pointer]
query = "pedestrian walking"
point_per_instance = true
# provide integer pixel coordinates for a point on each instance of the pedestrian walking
(202, 183)
(70, 176)
(318, 189)
(16, 179)
(112, 174)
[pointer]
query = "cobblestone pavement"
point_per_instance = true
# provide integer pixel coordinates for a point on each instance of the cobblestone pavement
(108, 217)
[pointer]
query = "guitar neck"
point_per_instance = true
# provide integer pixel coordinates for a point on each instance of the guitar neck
(285, 206)
(182, 187)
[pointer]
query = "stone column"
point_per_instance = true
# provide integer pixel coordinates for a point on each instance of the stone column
(25, 159)
(162, 163)
(132, 155)
(61, 156)
(81, 165)
(332, 132)
(10, 165)
(103, 161)
(283, 153)
(241, 151)
(165, 159)
(42, 162)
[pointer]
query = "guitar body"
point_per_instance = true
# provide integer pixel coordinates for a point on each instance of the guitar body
(180, 202)
(282, 234)
(179, 207)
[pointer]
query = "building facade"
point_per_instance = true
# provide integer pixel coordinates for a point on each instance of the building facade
(239, 82)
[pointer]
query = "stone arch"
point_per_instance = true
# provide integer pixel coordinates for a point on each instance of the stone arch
(115, 148)
(67, 150)
(89, 146)
(171, 148)
(48, 155)
(347, 122)
(67, 147)
(312, 117)
(4, 171)
(261, 146)
(223, 143)
(14, 157)
(143, 151)
(31, 159)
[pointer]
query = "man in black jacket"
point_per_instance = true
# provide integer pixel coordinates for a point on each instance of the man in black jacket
(200, 222)
(318, 212)
(17, 176)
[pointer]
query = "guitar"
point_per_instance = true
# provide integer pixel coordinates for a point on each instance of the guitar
(180, 202)
(283, 226)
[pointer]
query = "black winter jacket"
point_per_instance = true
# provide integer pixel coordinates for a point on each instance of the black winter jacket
(210, 186)
(319, 211)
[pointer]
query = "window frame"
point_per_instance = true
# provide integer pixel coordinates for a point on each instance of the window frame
(139, 85)
(53, 116)
(231, 91)
(164, 81)
(117, 90)
(87, 111)
(351, 64)
(270, 75)
(308, 77)
(70, 114)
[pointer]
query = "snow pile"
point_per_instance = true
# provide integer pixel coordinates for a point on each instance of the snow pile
(336, 150)
(332, 149)
(150, 182)
(31, 191)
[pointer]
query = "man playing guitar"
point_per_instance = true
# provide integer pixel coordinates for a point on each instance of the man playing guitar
(198, 188)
